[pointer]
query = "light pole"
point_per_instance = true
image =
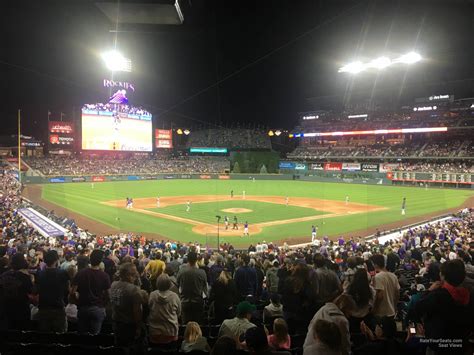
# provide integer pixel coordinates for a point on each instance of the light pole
(218, 241)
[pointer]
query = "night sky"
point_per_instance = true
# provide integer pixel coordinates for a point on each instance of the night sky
(268, 57)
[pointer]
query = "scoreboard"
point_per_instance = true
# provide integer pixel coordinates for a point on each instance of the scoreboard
(452, 178)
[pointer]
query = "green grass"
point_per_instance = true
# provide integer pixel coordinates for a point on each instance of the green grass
(83, 199)
(260, 211)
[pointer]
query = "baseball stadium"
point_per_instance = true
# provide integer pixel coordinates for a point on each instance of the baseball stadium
(262, 178)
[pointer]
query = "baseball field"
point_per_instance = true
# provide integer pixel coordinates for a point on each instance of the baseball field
(101, 208)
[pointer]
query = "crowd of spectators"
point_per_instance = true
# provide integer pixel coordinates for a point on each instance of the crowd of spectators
(74, 165)
(445, 149)
(330, 297)
(230, 138)
(132, 110)
(340, 121)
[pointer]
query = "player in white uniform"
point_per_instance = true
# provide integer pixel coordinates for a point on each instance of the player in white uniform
(188, 206)
(314, 232)
(243, 194)
(158, 201)
(226, 222)
(347, 200)
(287, 199)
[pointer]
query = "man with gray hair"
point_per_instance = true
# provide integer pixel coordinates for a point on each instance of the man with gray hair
(126, 299)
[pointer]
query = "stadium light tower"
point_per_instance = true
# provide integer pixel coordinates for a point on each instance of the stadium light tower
(409, 58)
(115, 61)
(380, 63)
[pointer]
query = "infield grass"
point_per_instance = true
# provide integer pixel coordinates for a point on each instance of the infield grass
(259, 211)
(85, 200)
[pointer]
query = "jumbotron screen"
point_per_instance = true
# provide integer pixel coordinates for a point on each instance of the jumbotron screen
(104, 129)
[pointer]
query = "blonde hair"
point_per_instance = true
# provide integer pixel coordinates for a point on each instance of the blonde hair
(224, 277)
(280, 330)
(192, 332)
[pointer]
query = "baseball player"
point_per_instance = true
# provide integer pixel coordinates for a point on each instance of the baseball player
(131, 202)
(188, 206)
(235, 224)
(314, 232)
(246, 229)
(287, 199)
(347, 200)
(92, 185)
(231, 193)
(243, 194)
(226, 222)
(158, 201)
(404, 203)
(127, 203)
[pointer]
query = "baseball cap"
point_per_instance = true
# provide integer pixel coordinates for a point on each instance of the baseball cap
(245, 307)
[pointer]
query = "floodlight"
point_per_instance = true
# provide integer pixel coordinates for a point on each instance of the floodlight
(115, 61)
(277, 133)
(186, 132)
(353, 68)
(380, 63)
(409, 58)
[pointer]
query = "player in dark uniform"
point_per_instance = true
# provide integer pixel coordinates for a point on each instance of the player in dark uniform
(231, 193)
(235, 226)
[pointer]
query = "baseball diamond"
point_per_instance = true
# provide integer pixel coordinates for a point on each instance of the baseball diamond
(102, 209)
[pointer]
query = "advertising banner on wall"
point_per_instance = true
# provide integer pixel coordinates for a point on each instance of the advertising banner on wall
(61, 127)
(98, 178)
(164, 138)
(386, 167)
(286, 165)
(369, 167)
(317, 166)
(60, 139)
(299, 166)
(351, 166)
(332, 166)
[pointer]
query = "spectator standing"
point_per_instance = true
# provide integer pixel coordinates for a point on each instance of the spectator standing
(93, 285)
(126, 300)
(387, 289)
(272, 277)
(53, 287)
(246, 279)
(325, 282)
(224, 296)
(155, 268)
(165, 309)
(192, 283)
(15, 287)
(363, 295)
(216, 269)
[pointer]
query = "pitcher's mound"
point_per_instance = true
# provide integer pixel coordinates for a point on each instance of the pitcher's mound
(236, 210)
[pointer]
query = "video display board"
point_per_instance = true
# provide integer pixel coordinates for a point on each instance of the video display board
(106, 129)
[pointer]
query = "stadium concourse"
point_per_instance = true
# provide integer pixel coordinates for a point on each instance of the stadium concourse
(125, 294)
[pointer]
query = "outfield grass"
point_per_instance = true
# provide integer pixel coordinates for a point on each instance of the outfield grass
(83, 199)
(260, 211)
